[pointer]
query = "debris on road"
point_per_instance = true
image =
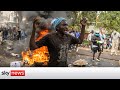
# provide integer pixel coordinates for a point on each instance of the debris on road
(80, 62)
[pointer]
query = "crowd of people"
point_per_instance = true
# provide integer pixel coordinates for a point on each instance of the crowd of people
(11, 33)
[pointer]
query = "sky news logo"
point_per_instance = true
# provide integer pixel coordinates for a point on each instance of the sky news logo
(14, 73)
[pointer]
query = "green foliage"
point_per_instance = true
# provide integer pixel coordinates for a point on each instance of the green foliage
(78, 15)
(110, 20)
(90, 15)
(85, 42)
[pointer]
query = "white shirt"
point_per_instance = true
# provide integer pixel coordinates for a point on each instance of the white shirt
(102, 36)
(116, 36)
(90, 36)
(72, 34)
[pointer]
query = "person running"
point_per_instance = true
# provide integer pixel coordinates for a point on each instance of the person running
(96, 45)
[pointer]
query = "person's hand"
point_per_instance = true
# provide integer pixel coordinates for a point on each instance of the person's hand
(83, 21)
(36, 22)
(97, 41)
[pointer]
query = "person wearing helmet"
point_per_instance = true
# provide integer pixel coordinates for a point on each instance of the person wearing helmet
(96, 45)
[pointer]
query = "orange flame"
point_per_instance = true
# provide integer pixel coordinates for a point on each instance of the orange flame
(38, 55)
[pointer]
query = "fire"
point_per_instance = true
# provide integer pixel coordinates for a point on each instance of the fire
(37, 55)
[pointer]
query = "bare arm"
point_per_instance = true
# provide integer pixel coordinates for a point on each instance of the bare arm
(32, 43)
(81, 38)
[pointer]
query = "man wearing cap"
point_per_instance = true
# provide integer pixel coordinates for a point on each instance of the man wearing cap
(57, 42)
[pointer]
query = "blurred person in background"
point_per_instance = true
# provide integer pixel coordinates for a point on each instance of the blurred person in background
(115, 42)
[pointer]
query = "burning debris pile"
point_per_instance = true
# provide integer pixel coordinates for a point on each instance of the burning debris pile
(40, 55)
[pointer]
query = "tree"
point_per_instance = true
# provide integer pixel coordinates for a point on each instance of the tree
(83, 23)
(44, 14)
(90, 15)
(109, 20)
(77, 17)
(19, 15)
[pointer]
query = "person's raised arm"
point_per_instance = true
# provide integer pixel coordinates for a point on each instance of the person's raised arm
(81, 38)
(32, 43)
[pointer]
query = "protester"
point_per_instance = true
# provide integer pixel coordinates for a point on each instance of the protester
(96, 45)
(57, 42)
